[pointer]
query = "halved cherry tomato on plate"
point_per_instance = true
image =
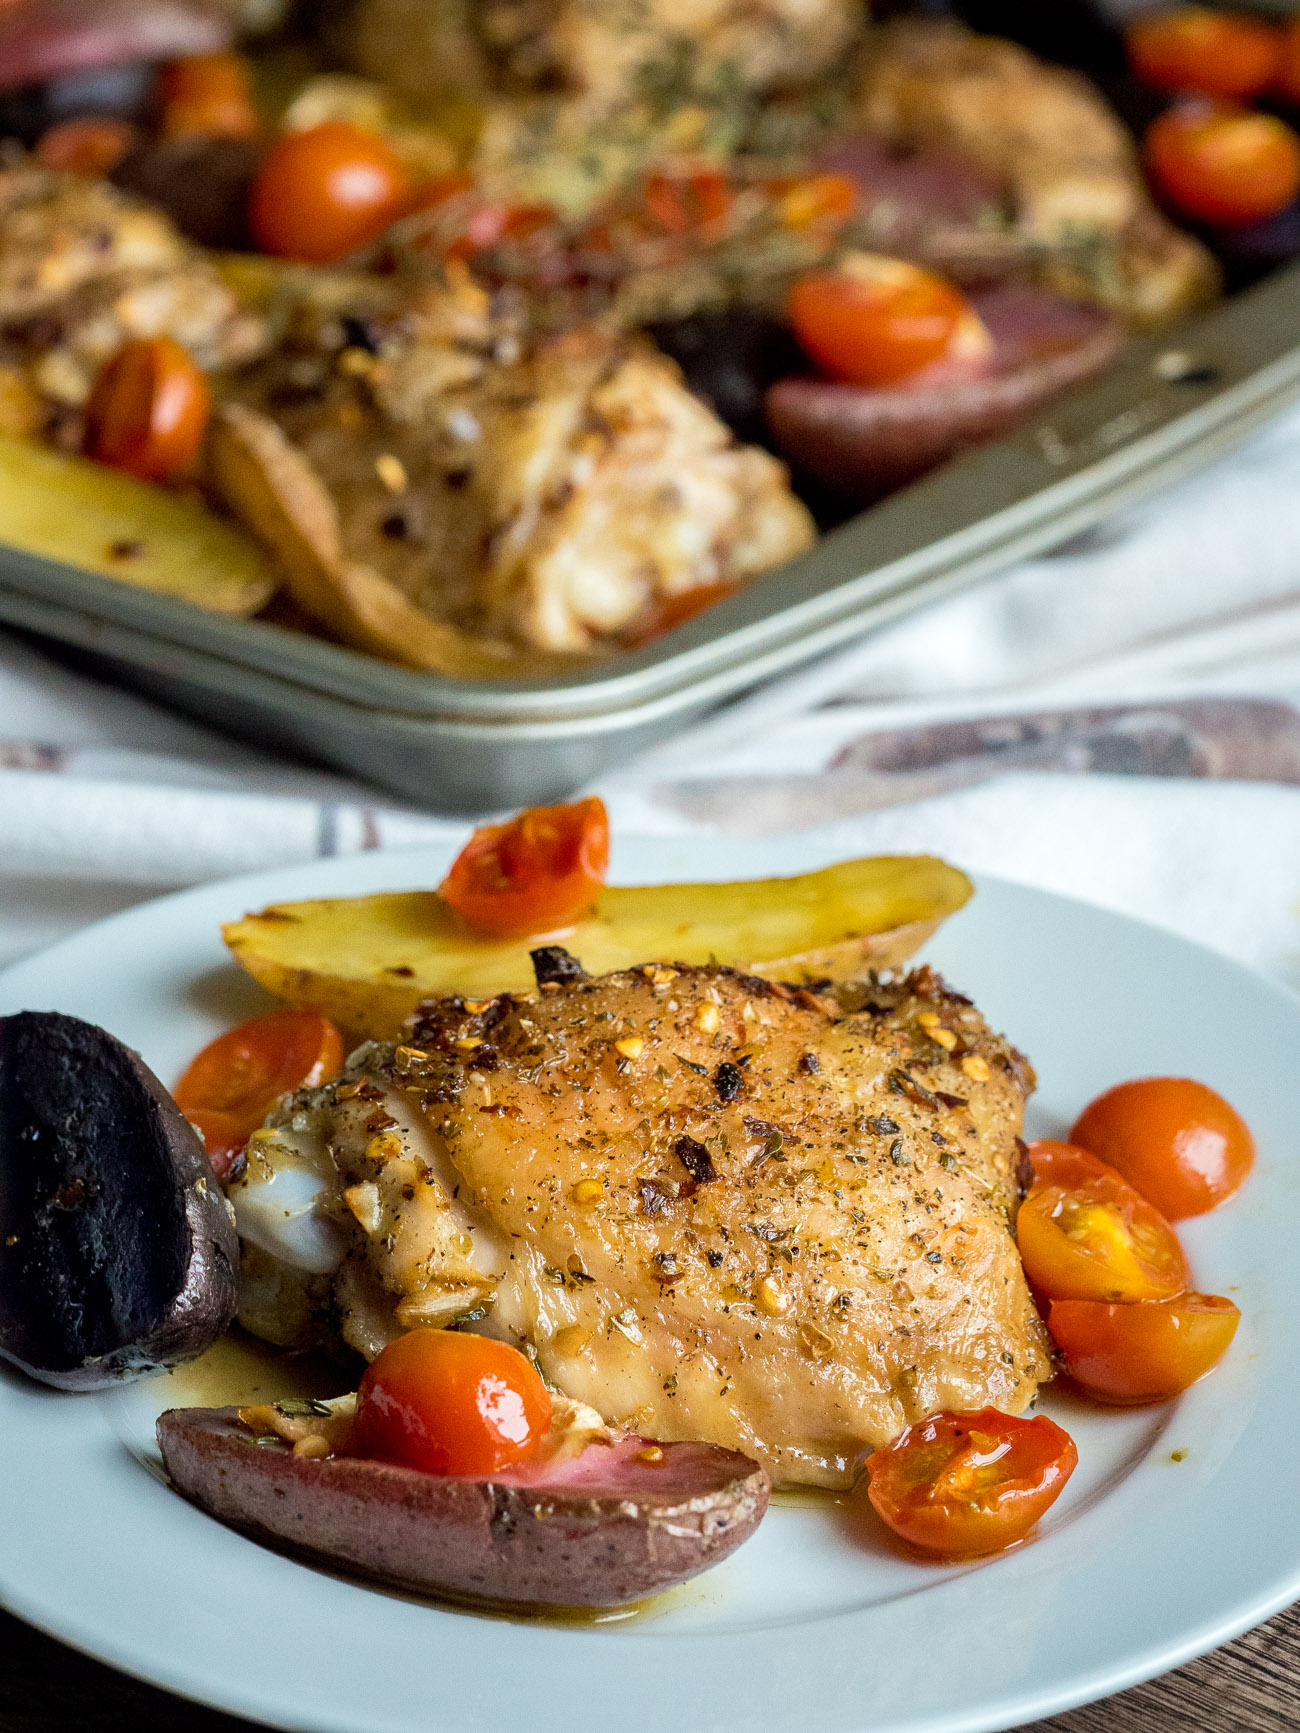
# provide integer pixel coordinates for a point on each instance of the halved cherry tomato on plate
(148, 413)
(208, 94)
(1201, 49)
(1222, 164)
(326, 192)
(1130, 1355)
(966, 1485)
(541, 871)
(874, 321)
(680, 203)
(1085, 1234)
(1178, 1141)
(92, 146)
(450, 1404)
(234, 1081)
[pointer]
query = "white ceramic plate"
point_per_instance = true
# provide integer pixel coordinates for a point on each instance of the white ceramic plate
(1145, 1562)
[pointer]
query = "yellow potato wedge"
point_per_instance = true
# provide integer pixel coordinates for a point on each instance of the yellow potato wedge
(84, 514)
(367, 962)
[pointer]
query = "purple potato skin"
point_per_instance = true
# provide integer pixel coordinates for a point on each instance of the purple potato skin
(630, 1530)
(118, 1250)
(864, 442)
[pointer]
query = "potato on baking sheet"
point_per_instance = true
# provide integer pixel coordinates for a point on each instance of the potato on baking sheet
(84, 514)
(367, 962)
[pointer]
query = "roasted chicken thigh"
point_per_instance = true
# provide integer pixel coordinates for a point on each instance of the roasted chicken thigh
(711, 1207)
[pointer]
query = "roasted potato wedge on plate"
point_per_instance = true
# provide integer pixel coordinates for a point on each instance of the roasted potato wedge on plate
(84, 514)
(367, 962)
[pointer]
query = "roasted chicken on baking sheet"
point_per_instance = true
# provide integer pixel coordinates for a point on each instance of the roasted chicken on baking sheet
(84, 269)
(710, 1206)
(548, 494)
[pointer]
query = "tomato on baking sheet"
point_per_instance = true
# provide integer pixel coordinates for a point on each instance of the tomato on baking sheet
(92, 145)
(1130, 1355)
(874, 321)
(450, 1404)
(326, 192)
(540, 871)
(148, 413)
(1199, 48)
(231, 1085)
(1178, 1141)
(965, 1485)
(1223, 164)
(208, 94)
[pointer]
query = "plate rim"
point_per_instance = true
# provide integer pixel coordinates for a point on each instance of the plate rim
(1019, 1704)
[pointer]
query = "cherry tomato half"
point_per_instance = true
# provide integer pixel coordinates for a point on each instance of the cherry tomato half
(1288, 74)
(873, 321)
(1087, 1235)
(230, 1086)
(1128, 1355)
(1223, 165)
(1177, 1141)
(539, 872)
(323, 193)
(450, 1404)
(92, 146)
(210, 94)
(148, 413)
(1199, 49)
(680, 203)
(965, 1485)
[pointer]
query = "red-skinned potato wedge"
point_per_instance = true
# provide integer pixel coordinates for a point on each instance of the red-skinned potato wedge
(1178, 1141)
(1131, 1355)
(864, 441)
(42, 40)
(540, 871)
(615, 1524)
(1085, 1234)
(966, 1485)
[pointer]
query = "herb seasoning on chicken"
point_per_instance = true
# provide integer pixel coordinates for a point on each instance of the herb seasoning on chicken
(797, 1265)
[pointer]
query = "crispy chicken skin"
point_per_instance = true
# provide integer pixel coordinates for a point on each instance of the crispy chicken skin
(600, 49)
(85, 268)
(1050, 136)
(544, 494)
(711, 1206)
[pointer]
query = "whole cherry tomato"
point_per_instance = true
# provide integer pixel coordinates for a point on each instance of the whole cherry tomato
(1087, 1235)
(231, 1085)
(1128, 1355)
(148, 413)
(1197, 48)
(323, 193)
(210, 94)
(541, 871)
(1177, 1141)
(965, 1485)
(450, 1404)
(874, 321)
(1221, 164)
(92, 146)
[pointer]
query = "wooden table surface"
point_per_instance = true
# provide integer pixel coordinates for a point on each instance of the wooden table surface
(1252, 1686)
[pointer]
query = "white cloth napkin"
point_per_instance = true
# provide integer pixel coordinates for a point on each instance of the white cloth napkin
(106, 798)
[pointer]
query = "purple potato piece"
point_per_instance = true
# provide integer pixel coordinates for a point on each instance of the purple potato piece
(863, 441)
(202, 183)
(909, 191)
(42, 40)
(118, 1249)
(599, 1530)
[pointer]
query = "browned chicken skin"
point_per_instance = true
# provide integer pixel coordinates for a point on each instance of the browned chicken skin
(711, 1207)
